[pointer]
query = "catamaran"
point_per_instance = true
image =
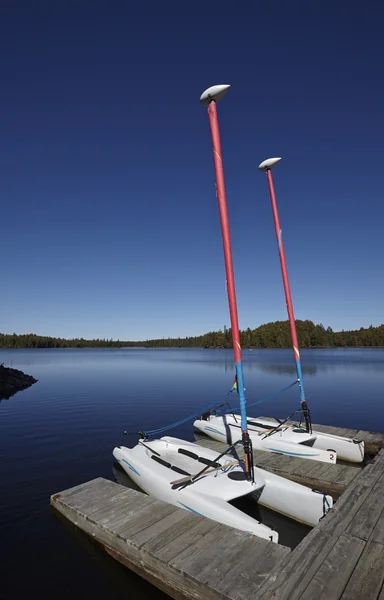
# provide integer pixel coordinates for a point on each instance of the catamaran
(265, 435)
(276, 435)
(210, 481)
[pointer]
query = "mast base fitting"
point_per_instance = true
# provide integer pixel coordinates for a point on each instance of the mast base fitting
(307, 416)
(248, 456)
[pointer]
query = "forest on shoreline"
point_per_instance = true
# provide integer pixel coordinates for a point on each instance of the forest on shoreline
(270, 335)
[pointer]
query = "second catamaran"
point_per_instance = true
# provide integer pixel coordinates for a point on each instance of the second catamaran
(277, 436)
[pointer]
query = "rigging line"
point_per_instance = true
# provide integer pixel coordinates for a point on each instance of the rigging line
(266, 398)
(195, 477)
(198, 413)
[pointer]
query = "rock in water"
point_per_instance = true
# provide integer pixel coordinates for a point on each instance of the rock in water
(12, 381)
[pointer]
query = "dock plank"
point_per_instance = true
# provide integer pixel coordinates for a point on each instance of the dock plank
(369, 513)
(143, 518)
(156, 528)
(82, 492)
(343, 475)
(378, 532)
(331, 578)
(114, 519)
(208, 563)
(168, 537)
(368, 576)
(188, 538)
(246, 581)
(105, 506)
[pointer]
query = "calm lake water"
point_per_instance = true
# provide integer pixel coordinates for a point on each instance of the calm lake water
(61, 432)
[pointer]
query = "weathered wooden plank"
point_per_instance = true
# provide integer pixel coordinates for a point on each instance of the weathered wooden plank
(293, 465)
(81, 486)
(158, 527)
(305, 467)
(378, 532)
(84, 490)
(208, 562)
(320, 471)
(368, 576)
(333, 575)
(247, 577)
(343, 475)
(92, 495)
(340, 431)
(274, 461)
(104, 507)
(369, 513)
(215, 564)
(143, 518)
(173, 532)
(282, 464)
(262, 459)
(108, 511)
(121, 513)
(193, 550)
(243, 568)
(353, 434)
(188, 539)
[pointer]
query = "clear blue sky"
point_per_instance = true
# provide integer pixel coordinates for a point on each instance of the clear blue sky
(109, 219)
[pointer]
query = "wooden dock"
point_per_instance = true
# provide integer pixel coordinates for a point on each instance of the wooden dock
(342, 558)
(182, 554)
(190, 557)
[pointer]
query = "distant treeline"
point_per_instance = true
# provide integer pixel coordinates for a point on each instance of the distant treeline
(271, 335)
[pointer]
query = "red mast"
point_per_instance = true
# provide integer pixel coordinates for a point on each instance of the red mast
(209, 98)
(266, 167)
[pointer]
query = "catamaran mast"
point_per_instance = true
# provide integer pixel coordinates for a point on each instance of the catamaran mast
(266, 167)
(209, 98)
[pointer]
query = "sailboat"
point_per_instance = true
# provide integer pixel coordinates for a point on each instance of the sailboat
(197, 479)
(346, 448)
(275, 435)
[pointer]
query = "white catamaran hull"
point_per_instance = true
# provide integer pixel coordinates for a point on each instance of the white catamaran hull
(156, 467)
(346, 448)
(292, 441)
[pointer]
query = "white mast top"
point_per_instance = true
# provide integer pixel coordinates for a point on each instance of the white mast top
(268, 164)
(214, 93)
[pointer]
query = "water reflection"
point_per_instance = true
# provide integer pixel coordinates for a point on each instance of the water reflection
(282, 369)
(6, 396)
(122, 478)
